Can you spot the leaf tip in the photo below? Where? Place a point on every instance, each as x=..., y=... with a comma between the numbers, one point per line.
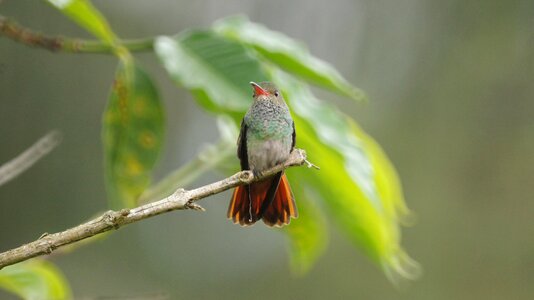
x=358, y=95
x=400, y=268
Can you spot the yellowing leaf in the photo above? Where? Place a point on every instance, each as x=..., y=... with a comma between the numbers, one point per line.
x=133, y=127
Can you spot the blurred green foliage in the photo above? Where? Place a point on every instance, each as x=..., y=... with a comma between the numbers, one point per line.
x=87, y=16
x=357, y=183
x=35, y=279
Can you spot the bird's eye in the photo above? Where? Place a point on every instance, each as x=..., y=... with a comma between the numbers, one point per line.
x=276, y=93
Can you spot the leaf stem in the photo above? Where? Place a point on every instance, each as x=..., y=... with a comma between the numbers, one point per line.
x=28, y=37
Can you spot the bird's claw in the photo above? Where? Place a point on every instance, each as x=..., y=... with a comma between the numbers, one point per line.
x=257, y=174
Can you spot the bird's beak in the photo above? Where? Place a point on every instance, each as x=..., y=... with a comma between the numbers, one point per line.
x=258, y=90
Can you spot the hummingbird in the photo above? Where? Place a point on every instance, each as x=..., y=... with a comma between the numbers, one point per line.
x=266, y=139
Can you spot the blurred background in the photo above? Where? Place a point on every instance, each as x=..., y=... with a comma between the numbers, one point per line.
x=451, y=95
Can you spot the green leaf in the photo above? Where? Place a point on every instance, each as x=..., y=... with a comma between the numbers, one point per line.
x=367, y=200
x=87, y=16
x=133, y=129
x=333, y=130
x=215, y=70
x=385, y=177
x=35, y=279
x=288, y=54
x=398, y=266
x=307, y=234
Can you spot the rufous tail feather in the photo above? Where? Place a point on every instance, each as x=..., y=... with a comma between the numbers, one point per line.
x=256, y=201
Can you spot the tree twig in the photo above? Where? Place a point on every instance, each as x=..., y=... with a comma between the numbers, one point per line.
x=30, y=156
x=18, y=33
x=181, y=199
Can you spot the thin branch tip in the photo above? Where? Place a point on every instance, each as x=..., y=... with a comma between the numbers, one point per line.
x=310, y=165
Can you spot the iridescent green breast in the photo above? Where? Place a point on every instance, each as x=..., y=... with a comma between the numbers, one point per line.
x=268, y=120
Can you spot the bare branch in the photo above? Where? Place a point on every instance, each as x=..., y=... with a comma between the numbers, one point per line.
x=181, y=199
x=26, y=159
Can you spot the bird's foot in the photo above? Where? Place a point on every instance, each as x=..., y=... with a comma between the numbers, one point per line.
x=257, y=173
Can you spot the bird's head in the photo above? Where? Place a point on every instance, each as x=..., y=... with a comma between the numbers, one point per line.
x=266, y=91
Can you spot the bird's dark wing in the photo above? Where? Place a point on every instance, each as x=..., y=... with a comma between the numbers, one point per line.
x=294, y=137
x=242, y=146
